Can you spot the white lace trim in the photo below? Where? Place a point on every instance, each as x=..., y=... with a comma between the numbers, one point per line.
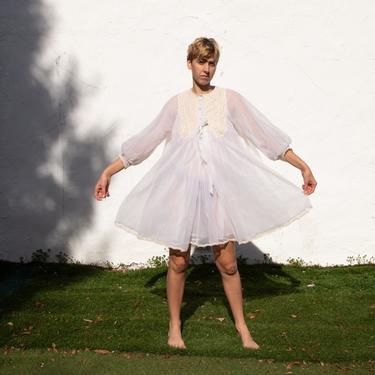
x=133, y=231
x=251, y=238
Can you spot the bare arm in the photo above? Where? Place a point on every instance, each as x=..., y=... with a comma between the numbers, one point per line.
x=295, y=160
x=101, y=188
x=139, y=146
x=308, y=178
x=114, y=167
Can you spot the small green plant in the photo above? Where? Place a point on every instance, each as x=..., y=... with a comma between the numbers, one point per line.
x=40, y=256
x=200, y=258
x=74, y=261
x=296, y=262
x=109, y=264
x=158, y=261
x=241, y=260
x=360, y=259
x=63, y=258
x=267, y=259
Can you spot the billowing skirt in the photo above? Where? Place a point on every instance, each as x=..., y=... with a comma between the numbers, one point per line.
x=232, y=195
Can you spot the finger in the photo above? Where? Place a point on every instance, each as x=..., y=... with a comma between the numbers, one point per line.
x=96, y=193
x=100, y=194
x=101, y=191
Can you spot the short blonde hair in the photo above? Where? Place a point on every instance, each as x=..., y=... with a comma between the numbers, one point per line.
x=203, y=48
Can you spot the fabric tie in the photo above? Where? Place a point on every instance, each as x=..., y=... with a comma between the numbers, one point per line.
x=203, y=138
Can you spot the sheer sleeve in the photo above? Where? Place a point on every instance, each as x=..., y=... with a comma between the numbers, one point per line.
x=141, y=145
x=253, y=126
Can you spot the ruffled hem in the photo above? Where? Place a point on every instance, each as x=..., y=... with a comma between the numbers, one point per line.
x=253, y=237
x=267, y=231
x=133, y=231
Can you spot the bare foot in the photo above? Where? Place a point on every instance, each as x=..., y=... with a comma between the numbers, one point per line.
x=247, y=341
x=174, y=337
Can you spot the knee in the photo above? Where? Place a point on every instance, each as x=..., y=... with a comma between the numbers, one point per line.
x=178, y=264
x=228, y=268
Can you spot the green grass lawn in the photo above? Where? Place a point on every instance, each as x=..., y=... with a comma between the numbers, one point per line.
x=70, y=316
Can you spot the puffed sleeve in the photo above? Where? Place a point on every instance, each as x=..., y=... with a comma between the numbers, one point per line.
x=141, y=145
x=253, y=126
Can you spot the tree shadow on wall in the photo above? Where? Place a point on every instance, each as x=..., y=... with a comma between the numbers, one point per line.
x=48, y=170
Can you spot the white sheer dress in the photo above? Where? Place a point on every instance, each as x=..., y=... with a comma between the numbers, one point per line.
x=210, y=185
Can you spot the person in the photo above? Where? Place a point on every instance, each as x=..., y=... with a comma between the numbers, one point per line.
x=210, y=186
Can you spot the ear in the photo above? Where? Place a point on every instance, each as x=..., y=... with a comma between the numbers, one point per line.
x=188, y=63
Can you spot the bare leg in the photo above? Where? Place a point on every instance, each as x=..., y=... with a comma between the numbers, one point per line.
x=226, y=262
x=178, y=262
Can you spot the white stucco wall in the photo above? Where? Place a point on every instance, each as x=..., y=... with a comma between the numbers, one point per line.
x=78, y=78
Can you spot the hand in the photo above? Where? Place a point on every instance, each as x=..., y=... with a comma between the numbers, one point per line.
x=309, y=181
x=101, y=188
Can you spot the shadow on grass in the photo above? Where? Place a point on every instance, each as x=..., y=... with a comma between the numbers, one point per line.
x=20, y=281
x=203, y=283
x=57, y=300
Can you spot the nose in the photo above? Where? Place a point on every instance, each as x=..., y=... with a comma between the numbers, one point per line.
x=205, y=67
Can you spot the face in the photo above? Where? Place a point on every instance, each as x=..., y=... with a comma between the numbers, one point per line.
x=203, y=70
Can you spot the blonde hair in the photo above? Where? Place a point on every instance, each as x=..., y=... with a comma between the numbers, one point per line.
x=203, y=48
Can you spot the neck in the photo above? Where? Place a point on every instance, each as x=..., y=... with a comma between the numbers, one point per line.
x=200, y=89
